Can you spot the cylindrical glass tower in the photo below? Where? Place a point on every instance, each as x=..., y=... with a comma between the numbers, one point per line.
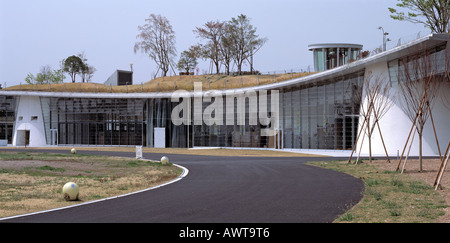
x=331, y=55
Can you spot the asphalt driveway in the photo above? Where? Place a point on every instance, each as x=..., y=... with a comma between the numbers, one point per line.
x=226, y=190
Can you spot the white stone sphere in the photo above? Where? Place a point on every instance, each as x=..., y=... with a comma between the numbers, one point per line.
x=164, y=160
x=70, y=191
x=73, y=151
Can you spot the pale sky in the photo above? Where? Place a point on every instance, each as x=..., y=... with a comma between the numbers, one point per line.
x=35, y=33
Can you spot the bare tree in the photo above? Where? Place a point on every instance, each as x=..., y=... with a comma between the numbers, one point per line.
x=375, y=101
x=255, y=45
x=418, y=89
x=446, y=98
x=212, y=32
x=446, y=102
x=225, y=45
x=157, y=39
x=378, y=102
x=86, y=71
x=245, y=41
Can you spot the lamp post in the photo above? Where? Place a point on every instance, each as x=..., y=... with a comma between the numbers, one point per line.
x=384, y=37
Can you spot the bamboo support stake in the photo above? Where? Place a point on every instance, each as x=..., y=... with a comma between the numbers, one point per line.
x=379, y=129
x=412, y=127
x=381, y=136
x=435, y=136
x=419, y=110
x=360, y=148
x=407, y=154
x=362, y=129
x=382, y=141
x=366, y=121
x=357, y=138
x=442, y=165
x=441, y=172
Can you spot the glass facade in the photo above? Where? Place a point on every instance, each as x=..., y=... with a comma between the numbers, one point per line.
x=319, y=115
x=322, y=116
x=91, y=121
x=159, y=116
x=7, y=117
x=328, y=56
x=435, y=63
x=241, y=126
x=315, y=116
x=331, y=60
x=318, y=57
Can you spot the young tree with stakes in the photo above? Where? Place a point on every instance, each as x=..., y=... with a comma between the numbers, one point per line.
x=446, y=102
x=418, y=90
x=376, y=101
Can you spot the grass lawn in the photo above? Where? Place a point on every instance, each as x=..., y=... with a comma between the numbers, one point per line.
x=31, y=182
x=389, y=196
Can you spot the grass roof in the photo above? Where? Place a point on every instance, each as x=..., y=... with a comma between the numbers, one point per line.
x=165, y=84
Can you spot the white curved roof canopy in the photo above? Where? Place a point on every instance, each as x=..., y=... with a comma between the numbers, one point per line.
x=334, y=45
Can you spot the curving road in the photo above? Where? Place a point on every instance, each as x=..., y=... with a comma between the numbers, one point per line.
x=226, y=190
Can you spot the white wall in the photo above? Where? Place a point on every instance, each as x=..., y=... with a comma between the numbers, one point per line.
x=29, y=106
x=160, y=137
x=395, y=124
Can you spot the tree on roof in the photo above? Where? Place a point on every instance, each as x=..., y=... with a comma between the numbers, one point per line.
x=157, y=40
x=87, y=71
x=244, y=41
x=212, y=31
x=434, y=14
x=73, y=65
x=188, y=59
x=46, y=76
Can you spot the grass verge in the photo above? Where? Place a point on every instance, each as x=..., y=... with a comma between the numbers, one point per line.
x=389, y=197
x=199, y=151
x=31, y=182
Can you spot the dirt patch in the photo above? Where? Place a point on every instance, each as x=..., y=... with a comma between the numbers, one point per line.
x=428, y=174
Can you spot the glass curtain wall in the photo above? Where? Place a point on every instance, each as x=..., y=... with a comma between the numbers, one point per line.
x=315, y=116
x=354, y=54
x=328, y=58
x=319, y=65
x=7, y=117
x=91, y=121
x=321, y=116
x=247, y=134
x=331, y=58
x=159, y=116
x=432, y=61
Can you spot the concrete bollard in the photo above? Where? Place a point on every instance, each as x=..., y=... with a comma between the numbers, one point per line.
x=164, y=160
x=70, y=191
